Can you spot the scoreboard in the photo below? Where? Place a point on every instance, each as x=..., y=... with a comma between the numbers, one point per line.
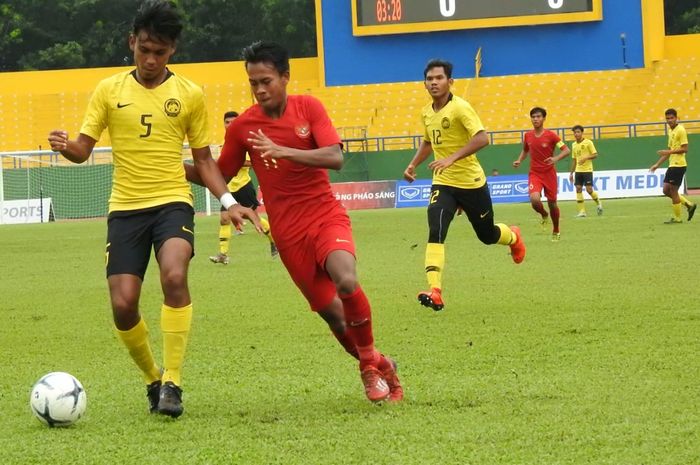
x=376, y=17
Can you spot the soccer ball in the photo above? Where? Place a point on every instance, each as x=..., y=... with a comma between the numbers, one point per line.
x=58, y=399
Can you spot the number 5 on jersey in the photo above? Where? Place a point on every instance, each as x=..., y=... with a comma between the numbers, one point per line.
x=146, y=124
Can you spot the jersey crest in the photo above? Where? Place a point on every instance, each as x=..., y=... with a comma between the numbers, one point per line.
x=303, y=131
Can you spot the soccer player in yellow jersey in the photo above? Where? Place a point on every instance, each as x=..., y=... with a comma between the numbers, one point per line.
x=454, y=133
x=583, y=153
x=676, y=152
x=243, y=190
x=149, y=111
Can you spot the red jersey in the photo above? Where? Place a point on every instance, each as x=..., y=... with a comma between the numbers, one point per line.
x=540, y=148
x=296, y=196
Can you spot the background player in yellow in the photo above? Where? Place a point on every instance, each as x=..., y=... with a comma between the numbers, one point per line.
x=677, y=165
x=243, y=190
x=148, y=112
x=454, y=133
x=583, y=153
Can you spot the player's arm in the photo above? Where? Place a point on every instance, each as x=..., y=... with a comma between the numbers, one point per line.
x=572, y=168
x=329, y=157
x=77, y=150
x=208, y=173
x=563, y=152
x=663, y=156
x=476, y=143
x=668, y=152
x=521, y=157
x=424, y=150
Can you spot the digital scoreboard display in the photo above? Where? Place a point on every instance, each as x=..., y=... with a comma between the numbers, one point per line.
x=375, y=17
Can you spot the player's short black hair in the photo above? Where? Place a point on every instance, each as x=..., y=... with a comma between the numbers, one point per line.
x=437, y=63
x=267, y=52
x=539, y=110
x=578, y=126
x=159, y=19
x=671, y=111
x=230, y=114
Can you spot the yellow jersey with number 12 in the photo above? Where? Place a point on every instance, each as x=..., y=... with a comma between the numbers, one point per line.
x=147, y=128
x=448, y=130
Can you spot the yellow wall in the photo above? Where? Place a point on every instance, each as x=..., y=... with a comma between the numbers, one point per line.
x=684, y=46
x=653, y=30
x=33, y=103
x=84, y=80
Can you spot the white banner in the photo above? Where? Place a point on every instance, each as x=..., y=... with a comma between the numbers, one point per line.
x=25, y=211
x=618, y=184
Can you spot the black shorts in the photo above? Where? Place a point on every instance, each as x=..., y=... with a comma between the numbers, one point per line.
x=132, y=233
x=583, y=179
x=674, y=175
x=246, y=196
x=476, y=203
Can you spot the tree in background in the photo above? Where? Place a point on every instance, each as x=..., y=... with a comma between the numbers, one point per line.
x=682, y=17
x=92, y=33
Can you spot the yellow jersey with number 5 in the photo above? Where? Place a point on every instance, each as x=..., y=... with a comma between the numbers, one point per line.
x=448, y=130
x=147, y=128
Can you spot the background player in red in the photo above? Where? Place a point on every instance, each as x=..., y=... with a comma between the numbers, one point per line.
x=291, y=143
x=540, y=144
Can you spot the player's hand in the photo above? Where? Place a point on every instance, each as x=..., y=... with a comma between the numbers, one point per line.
x=653, y=168
x=58, y=139
x=409, y=174
x=549, y=161
x=237, y=212
x=438, y=166
x=268, y=149
x=571, y=177
x=516, y=163
x=663, y=153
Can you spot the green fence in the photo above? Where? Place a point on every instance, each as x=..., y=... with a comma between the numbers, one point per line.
x=613, y=154
x=83, y=191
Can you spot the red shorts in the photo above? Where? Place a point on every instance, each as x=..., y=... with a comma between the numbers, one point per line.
x=305, y=261
x=546, y=181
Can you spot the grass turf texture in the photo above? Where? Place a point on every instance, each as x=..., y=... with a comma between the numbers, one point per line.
x=585, y=353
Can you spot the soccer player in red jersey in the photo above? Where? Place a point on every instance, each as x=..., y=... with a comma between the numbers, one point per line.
x=291, y=143
x=540, y=144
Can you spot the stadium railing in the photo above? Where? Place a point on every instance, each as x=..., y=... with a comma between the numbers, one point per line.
x=620, y=131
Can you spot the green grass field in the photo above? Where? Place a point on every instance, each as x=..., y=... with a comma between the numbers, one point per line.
x=587, y=353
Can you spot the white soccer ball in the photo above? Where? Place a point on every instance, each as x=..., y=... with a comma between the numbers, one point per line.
x=58, y=399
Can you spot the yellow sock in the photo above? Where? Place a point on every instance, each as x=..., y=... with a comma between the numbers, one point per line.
x=685, y=201
x=224, y=237
x=579, y=202
x=175, y=324
x=434, y=263
x=594, y=196
x=677, y=210
x=136, y=341
x=507, y=236
x=266, y=229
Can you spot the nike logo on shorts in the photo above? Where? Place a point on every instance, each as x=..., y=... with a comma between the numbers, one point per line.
x=483, y=215
x=187, y=230
x=342, y=240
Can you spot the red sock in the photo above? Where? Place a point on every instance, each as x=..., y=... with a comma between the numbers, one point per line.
x=358, y=317
x=554, y=211
x=347, y=343
x=539, y=208
x=384, y=364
